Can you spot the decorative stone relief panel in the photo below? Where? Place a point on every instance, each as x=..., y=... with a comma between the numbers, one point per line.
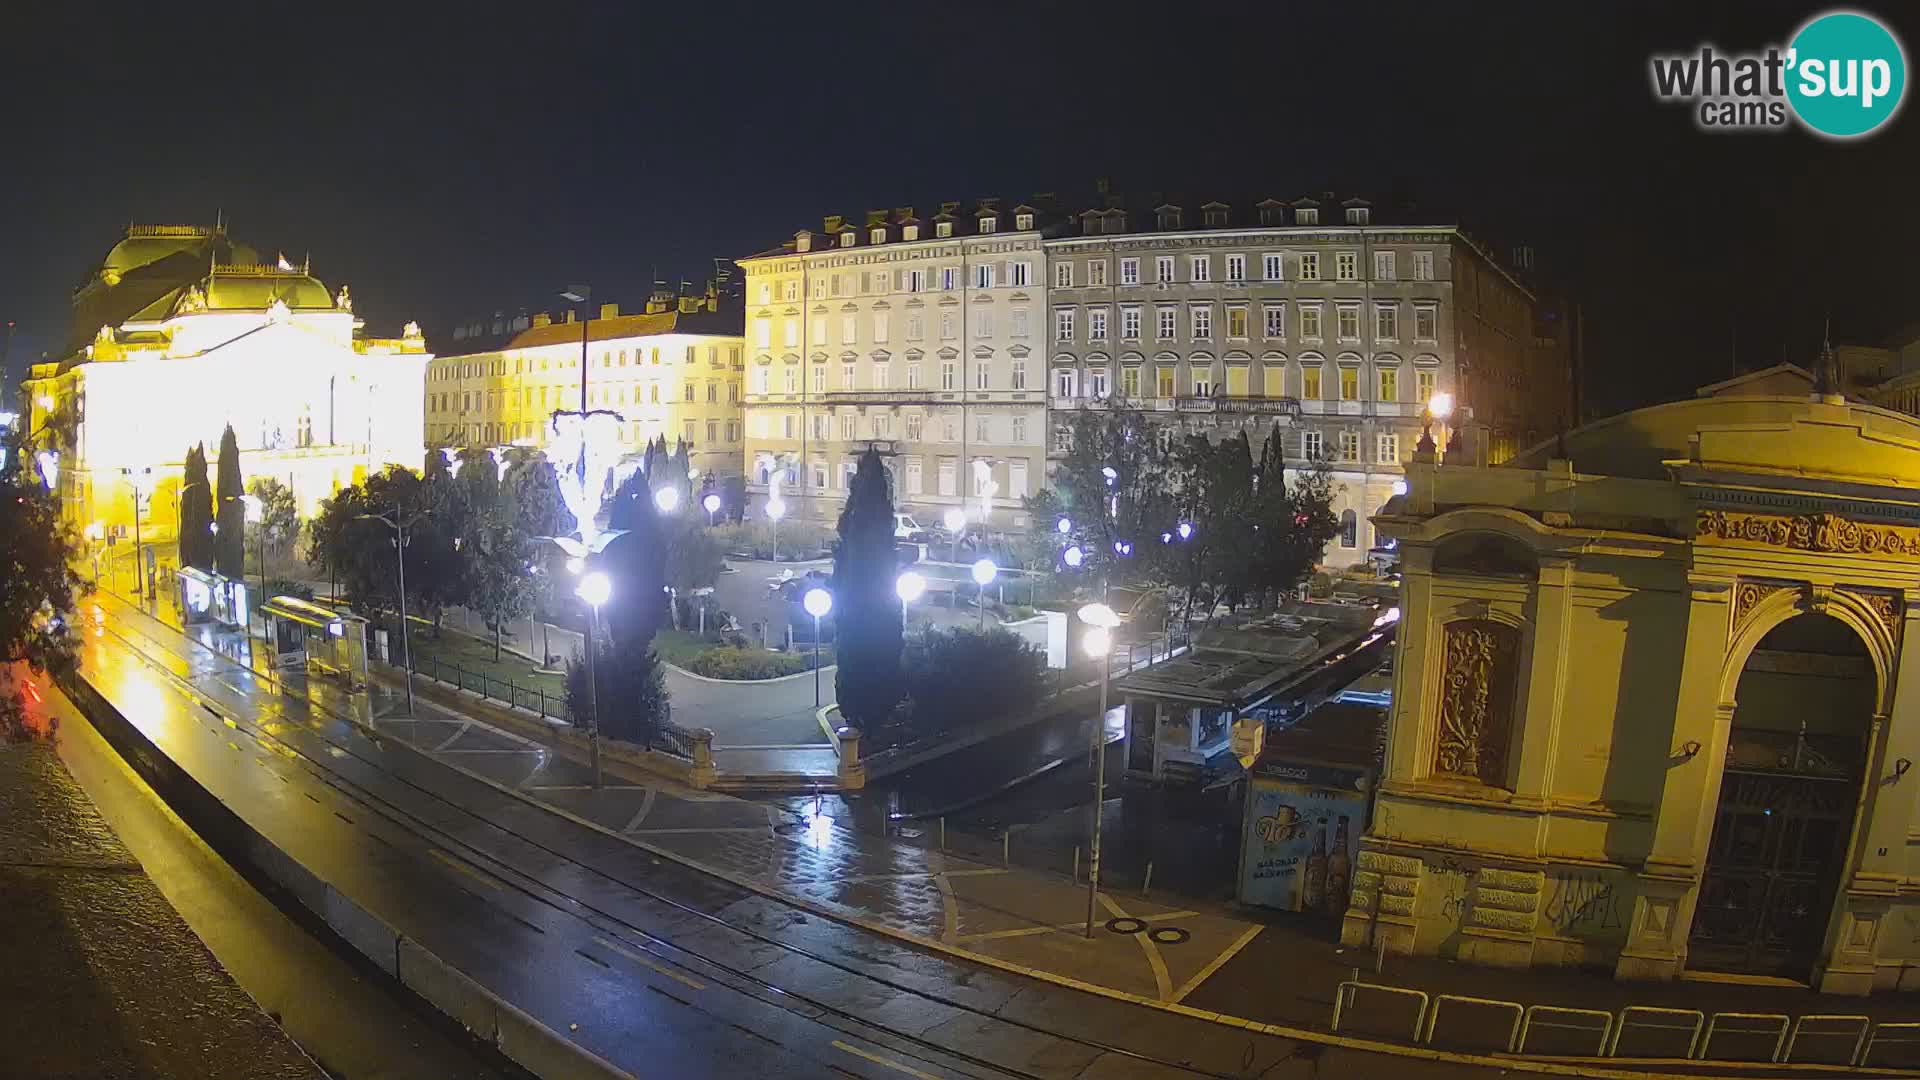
x=1748, y=596
x=1810, y=532
x=1885, y=605
x=1476, y=701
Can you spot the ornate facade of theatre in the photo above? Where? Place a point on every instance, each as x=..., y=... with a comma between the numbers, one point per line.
x=182, y=331
x=1652, y=708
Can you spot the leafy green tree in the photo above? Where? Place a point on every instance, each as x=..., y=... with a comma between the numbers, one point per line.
x=196, y=512
x=1294, y=517
x=630, y=691
x=1135, y=506
x=230, y=538
x=37, y=585
x=500, y=581
x=959, y=676
x=279, y=516
x=866, y=608
x=532, y=493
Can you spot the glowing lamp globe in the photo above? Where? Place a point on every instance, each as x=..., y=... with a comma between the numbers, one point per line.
x=1099, y=641
x=955, y=520
x=776, y=509
x=1186, y=530
x=711, y=504
x=909, y=586
x=984, y=572
x=1440, y=405
x=667, y=499
x=1074, y=557
x=1099, y=615
x=1065, y=526
x=817, y=602
x=595, y=588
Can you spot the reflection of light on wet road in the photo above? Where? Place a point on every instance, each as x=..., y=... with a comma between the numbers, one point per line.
x=819, y=827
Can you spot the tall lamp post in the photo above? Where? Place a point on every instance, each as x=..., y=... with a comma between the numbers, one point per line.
x=818, y=602
x=984, y=572
x=1099, y=642
x=393, y=520
x=94, y=532
x=257, y=513
x=595, y=588
x=776, y=509
x=134, y=477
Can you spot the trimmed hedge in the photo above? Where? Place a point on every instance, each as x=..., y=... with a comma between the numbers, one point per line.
x=727, y=662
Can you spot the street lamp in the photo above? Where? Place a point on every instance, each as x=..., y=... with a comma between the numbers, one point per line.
x=256, y=513
x=955, y=519
x=667, y=499
x=94, y=532
x=818, y=602
x=1185, y=530
x=776, y=509
x=908, y=587
x=134, y=477
x=1099, y=644
x=711, y=504
x=1074, y=557
x=399, y=526
x=984, y=571
x=594, y=588
x=1064, y=525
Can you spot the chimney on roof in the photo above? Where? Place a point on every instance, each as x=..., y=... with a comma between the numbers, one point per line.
x=569, y=318
x=949, y=207
x=541, y=318
x=1102, y=186
x=876, y=217
x=832, y=223
x=1045, y=200
x=903, y=213
x=609, y=311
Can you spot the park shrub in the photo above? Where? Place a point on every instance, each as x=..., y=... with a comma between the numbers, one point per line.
x=756, y=539
x=727, y=662
x=959, y=677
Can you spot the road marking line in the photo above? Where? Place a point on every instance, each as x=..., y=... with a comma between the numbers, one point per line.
x=646, y=961
x=454, y=864
x=1217, y=963
x=857, y=878
x=448, y=741
x=878, y=1060
x=1161, y=980
x=646, y=807
x=1081, y=925
x=484, y=751
x=758, y=830
x=949, y=908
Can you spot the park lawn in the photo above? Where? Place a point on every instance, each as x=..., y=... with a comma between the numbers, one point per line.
x=476, y=657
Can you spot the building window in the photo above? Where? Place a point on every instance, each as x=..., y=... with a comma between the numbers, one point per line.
x=1019, y=431
x=1199, y=269
x=1016, y=323
x=943, y=229
x=1311, y=446
x=1389, y=448
x=1310, y=382
x=760, y=376
x=1423, y=266
x=989, y=224
x=1019, y=273
x=1349, y=447
x=1309, y=266
x=1166, y=328
x=880, y=322
x=847, y=427
x=983, y=276
x=1163, y=382
x=1163, y=269
x=1202, y=319
x=1306, y=215
x=1423, y=387
x=949, y=278
x=914, y=424
x=1389, y=384
x=916, y=280
x=910, y=232
x=1130, y=324
x=1359, y=215
x=1129, y=271
x=1063, y=440
x=1065, y=382
x=762, y=333
x=1346, y=266
x=820, y=424
x=1097, y=383
x=1236, y=268
x=915, y=328
x=1383, y=266
x=688, y=393
x=1310, y=322
x=1130, y=381
x=1270, y=266
x=1063, y=324
x=1426, y=323
x=948, y=479
x=1349, y=529
x=1019, y=374
x=849, y=378
x=1203, y=382
x=949, y=378
x=913, y=374
x=1349, y=383
x=982, y=374
x=1063, y=275
x=882, y=374
x=982, y=433
x=1023, y=222
x=1386, y=322
x=1347, y=322
x=914, y=483
x=946, y=326
x=1097, y=324
x=1096, y=272
x=1237, y=322
x=882, y=426
x=1275, y=317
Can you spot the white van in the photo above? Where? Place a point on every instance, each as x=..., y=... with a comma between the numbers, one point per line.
x=905, y=527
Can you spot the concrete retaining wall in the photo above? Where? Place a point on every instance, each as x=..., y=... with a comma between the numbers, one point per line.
x=523, y=1038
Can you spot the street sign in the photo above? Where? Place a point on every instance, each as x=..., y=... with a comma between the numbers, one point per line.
x=1249, y=738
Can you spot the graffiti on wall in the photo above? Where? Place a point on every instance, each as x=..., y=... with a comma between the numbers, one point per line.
x=1583, y=903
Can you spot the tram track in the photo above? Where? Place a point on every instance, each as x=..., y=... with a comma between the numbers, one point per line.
x=628, y=934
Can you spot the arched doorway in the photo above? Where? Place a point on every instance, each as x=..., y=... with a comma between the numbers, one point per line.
x=1795, y=756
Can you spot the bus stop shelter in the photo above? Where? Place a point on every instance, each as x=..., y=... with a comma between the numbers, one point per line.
x=315, y=639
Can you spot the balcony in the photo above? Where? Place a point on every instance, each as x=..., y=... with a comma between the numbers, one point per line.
x=1254, y=404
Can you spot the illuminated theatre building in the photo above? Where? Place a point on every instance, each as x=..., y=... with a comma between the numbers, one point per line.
x=1653, y=709
x=182, y=331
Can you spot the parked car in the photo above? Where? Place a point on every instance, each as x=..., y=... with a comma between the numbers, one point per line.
x=906, y=528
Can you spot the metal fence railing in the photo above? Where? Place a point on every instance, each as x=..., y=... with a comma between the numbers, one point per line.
x=1633, y=1032
x=535, y=699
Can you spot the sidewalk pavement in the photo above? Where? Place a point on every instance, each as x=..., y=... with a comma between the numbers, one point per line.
x=103, y=977
x=1269, y=967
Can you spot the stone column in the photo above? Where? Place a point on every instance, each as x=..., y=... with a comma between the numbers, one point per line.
x=700, y=741
x=1538, y=715
x=1683, y=825
x=853, y=772
x=1418, y=635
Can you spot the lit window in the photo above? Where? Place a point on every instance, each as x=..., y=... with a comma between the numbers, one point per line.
x=1310, y=382
x=989, y=223
x=1359, y=215
x=1309, y=266
x=1237, y=322
x=1389, y=384
x=943, y=229
x=1023, y=222
x=1306, y=215
x=1349, y=384
x=1346, y=266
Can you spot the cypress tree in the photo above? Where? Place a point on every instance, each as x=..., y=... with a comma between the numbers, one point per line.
x=636, y=561
x=196, y=512
x=866, y=608
x=230, y=542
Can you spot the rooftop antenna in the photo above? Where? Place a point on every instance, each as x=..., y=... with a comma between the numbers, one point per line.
x=220, y=220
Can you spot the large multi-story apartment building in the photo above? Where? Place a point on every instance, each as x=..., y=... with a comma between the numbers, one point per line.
x=972, y=337
x=673, y=370
x=923, y=337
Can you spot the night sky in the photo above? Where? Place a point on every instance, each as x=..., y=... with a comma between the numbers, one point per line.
x=448, y=163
